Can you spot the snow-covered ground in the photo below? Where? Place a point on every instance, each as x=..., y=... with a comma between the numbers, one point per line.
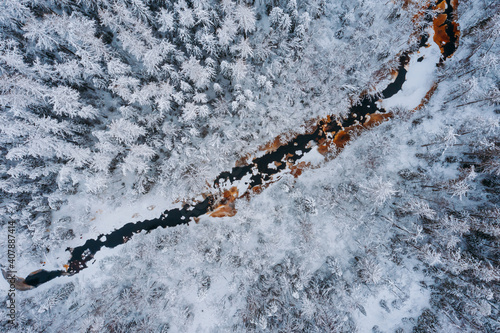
x=396, y=234
x=420, y=77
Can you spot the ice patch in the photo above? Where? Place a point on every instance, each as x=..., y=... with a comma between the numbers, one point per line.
x=419, y=79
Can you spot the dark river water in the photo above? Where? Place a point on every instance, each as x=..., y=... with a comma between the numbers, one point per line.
x=289, y=152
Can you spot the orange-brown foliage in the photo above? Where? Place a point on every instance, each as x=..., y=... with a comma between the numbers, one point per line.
x=325, y=147
x=341, y=138
x=441, y=6
x=257, y=189
x=427, y=97
x=440, y=35
x=224, y=210
x=296, y=170
x=243, y=160
x=273, y=145
x=226, y=206
x=231, y=194
x=376, y=118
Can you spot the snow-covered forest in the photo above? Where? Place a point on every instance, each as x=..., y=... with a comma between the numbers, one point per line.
x=114, y=111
